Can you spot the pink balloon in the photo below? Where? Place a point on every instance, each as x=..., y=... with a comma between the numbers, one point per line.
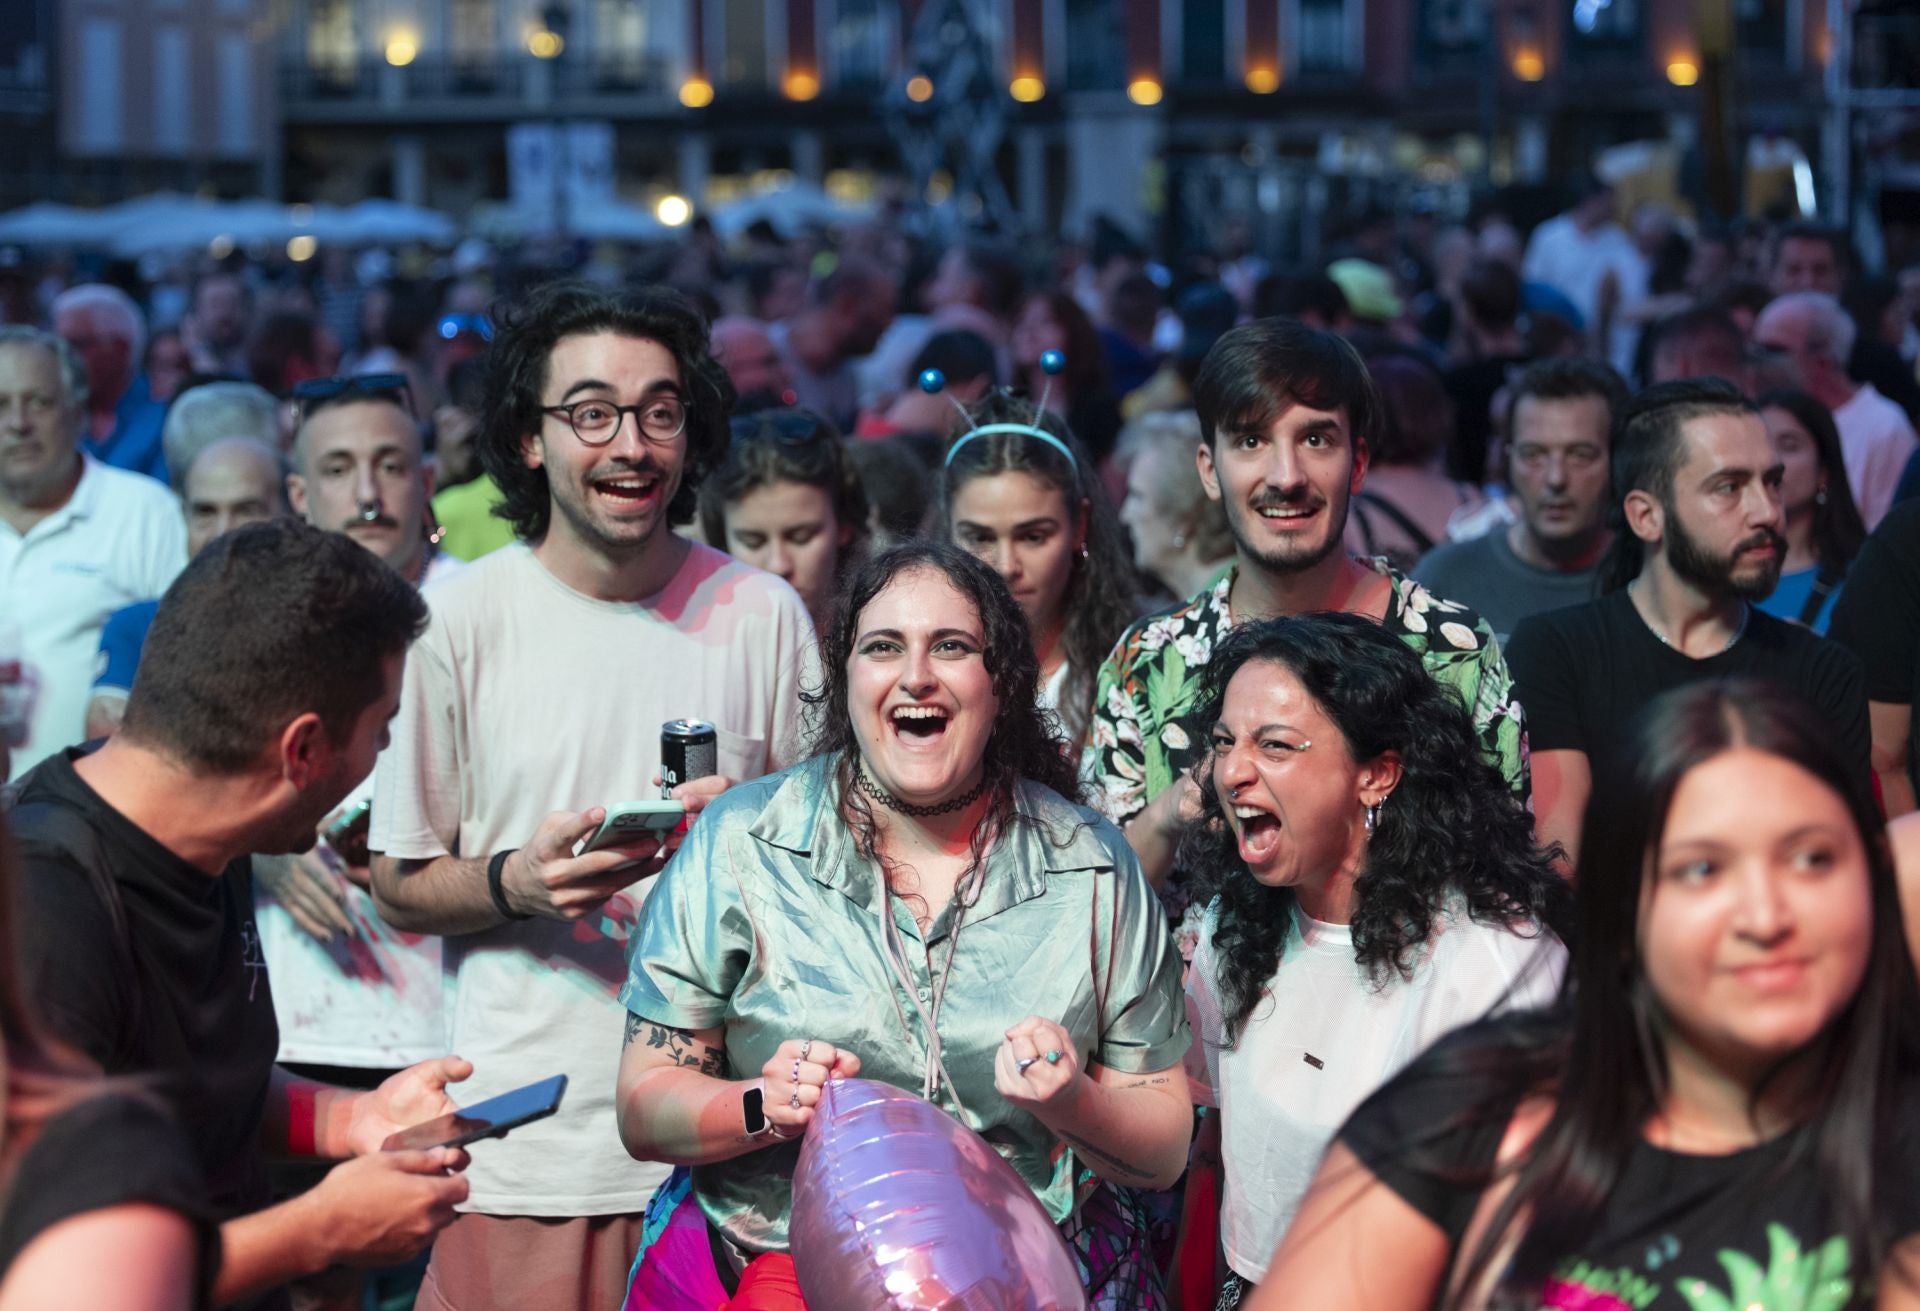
x=897, y=1206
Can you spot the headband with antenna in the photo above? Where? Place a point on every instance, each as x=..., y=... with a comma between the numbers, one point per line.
x=1052, y=363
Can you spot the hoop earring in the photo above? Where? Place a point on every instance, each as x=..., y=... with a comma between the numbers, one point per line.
x=1372, y=817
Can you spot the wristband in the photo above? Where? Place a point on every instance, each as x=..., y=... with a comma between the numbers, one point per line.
x=496, y=891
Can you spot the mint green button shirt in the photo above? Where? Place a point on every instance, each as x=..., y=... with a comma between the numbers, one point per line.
x=766, y=923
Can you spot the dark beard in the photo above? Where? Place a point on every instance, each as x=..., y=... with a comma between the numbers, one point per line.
x=1717, y=575
x=1289, y=562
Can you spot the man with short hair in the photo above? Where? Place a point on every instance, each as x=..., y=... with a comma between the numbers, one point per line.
x=1806, y=257
x=231, y=483
x=846, y=313
x=533, y=705
x=758, y=371
x=270, y=675
x=1810, y=329
x=215, y=411
x=1701, y=342
x=1559, y=417
x=106, y=330
x=78, y=540
x=215, y=328
x=1696, y=485
x=359, y=468
x=1287, y=415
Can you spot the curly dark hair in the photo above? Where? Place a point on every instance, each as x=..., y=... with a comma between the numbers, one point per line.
x=1452, y=825
x=1100, y=600
x=516, y=368
x=1023, y=742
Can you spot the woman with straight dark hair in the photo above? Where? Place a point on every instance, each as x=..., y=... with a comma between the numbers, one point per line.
x=789, y=500
x=102, y=1205
x=1719, y=1112
x=1824, y=528
x=1374, y=885
x=1019, y=491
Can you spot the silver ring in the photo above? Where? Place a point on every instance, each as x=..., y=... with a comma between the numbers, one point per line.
x=793, y=1102
x=806, y=1049
x=1021, y=1066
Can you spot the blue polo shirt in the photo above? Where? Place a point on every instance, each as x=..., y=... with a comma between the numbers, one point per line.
x=134, y=442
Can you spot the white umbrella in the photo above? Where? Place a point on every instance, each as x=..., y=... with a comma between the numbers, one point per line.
x=791, y=209
x=47, y=224
x=380, y=223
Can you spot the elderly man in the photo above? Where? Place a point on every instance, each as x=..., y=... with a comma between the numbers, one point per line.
x=212, y=412
x=761, y=378
x=78, y=540
x=106, y=331
x=1810, y=329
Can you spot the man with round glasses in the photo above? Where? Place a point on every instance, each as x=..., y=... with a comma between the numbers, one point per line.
x=532, y=705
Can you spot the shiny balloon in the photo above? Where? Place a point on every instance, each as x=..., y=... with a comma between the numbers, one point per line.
x=897, y=1206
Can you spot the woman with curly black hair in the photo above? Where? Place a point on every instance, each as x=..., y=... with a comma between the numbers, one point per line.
x=920, y=903
x=1374, y=885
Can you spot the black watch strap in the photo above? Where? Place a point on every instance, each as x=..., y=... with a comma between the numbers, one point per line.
x=496, y=891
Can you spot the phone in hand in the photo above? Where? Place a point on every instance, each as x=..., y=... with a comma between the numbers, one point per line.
x=488, y=1119
x=634, y=819
x=347, y=835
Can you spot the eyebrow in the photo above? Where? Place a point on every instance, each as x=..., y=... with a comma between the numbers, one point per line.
x=1318, y=426
x=895, y=635
x=1047, y=521
x=595, y=384
x=1221, y=726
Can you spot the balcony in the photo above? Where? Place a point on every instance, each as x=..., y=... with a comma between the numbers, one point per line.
x=509, y=84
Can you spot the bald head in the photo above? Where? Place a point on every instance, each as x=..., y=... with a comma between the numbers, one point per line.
x=751, y=359
x=232, y=482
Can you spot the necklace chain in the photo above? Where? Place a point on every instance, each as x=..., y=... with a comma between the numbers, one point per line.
x=1739, y=632
x=894, y=803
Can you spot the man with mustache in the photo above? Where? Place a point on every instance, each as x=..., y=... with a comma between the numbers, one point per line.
x=1286, y=417
x=1699, y=524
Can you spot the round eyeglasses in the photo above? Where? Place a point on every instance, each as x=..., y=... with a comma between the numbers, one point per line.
x=660, y=420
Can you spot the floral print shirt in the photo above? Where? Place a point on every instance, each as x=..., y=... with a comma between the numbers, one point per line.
x=1143, y=735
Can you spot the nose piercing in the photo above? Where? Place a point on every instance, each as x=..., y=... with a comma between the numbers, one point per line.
x=369, y=512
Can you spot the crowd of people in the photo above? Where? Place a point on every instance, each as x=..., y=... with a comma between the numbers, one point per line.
x=1418, y=750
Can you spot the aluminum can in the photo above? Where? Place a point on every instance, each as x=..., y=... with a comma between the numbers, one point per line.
x=689, y=749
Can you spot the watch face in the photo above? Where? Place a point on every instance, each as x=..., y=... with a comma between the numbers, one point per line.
x=750, y=1108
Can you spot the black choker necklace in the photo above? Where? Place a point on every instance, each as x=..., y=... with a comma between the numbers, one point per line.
x=894, y=803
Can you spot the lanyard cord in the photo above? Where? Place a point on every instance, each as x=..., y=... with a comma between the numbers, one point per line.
x=895, y=951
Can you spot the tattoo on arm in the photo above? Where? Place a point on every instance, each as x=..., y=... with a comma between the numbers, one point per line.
x=681, y=1047
x=1131, y=1171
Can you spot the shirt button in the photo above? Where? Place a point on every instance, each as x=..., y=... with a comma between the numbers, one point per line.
x=926, y=994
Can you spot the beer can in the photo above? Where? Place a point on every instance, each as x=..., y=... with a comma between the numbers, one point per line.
x=689, y=749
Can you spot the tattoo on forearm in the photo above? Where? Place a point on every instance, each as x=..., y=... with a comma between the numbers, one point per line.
x=681, y=1047
x=1125, y=1168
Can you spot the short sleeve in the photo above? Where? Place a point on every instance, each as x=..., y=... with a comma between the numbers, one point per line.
x=1840, y=696
x=695, y=936
x=1143, y=1007
x=109, y=1150
x=1545, y=683
x=1877, y=616
x=796, y=670
x=1479, y=969
x=1203, y=1016
x=416, y=806
x=121, y=641
x=1114, y=761
x=1431, y=1134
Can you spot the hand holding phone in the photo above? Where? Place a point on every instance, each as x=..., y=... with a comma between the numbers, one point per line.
x=488, y=1119
x=635, y=819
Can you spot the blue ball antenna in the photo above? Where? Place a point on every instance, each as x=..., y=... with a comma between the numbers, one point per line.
x=1052, y=363
x=932, y=381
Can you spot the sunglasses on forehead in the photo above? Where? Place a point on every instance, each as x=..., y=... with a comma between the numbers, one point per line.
x=784, y=427
x=319, y=393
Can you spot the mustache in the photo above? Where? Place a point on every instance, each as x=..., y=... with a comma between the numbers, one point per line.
x=1289, y=499
x=1764, y=537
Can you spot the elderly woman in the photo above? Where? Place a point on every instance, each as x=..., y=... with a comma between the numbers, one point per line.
x=920, y=904
x=1376, y=885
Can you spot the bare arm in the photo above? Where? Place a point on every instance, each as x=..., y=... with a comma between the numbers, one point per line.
x=1154, y=833
x=1892, y=725
x=1900, y=1280
x=1562, y=781
x=675, y=1103
x=1332, y=1252
x=1131, y=1129
x=136, y=1257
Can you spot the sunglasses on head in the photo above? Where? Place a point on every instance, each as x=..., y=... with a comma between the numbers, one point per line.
x=786, y=427
x=319, y=393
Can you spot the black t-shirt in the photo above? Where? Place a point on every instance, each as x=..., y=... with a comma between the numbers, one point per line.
x=1877, y=614
x=1582, y=673
x=179, y=995
x=1677, y=1233
x=109, y=1150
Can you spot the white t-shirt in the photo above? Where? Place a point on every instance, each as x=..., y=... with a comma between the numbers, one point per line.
x=1323, y=1038
x=369, y=999
x=1574, y=263
x=119, y=539
x=525, y=697
x=1875, y=441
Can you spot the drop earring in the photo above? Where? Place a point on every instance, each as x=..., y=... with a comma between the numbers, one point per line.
x=1372, y=817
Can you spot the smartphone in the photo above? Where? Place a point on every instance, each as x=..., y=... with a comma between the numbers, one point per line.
x=488, y=1119
x=634, y=819
x=347, y=835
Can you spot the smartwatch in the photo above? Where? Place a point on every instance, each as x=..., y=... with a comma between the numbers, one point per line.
x=753, y=1112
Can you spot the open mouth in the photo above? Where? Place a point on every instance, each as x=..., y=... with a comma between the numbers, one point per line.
x=919, y=723
x=628, y=488
x=1259, y=834
x=1284, y=514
